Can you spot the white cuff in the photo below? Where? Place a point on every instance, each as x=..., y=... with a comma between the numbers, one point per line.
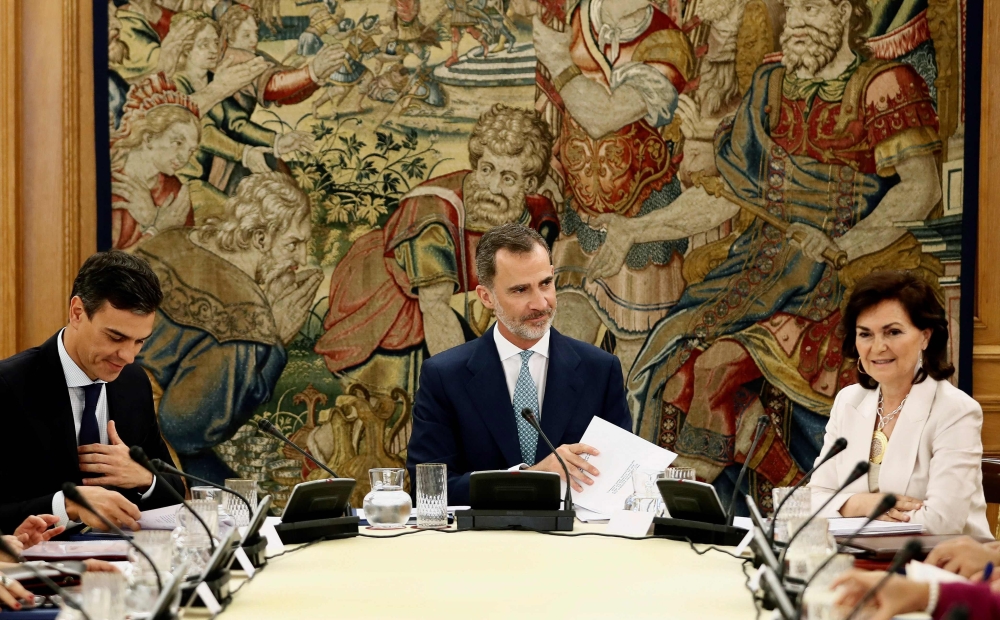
x=274, y=148
x=518, y=467
x=246, y=151
x=933, y=593
x=59, y=508
x=312, y=74
x=149, y=491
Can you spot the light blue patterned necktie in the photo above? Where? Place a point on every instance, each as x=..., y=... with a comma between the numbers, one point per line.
x=526, y=397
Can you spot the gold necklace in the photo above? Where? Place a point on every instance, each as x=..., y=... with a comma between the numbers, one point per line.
x=879, y=439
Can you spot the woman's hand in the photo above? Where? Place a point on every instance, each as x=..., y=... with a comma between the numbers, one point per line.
x=964, y=556
x=897, y=596
x=11, y=592
x=36, y=529
x=862, y=505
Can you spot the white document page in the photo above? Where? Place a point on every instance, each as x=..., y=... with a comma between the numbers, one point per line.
x=621, y=453
x=159, y=518
x=846, y=526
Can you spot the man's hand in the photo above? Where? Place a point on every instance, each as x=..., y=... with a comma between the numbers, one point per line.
x=964, y=556
x=898, y=596
x=811, y=240
x=292, y=309
x=174, y=212
x=114, y=462
x=551, y=47
x=619, y=240
x=36, y=529
x=327, y=59
x=229, y=78
x=111, y=504
x=293, y=141
x=253, y=158
x=862, y=505
x=577, y=466
x=138, y=201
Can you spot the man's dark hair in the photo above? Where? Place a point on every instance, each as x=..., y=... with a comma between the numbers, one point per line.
x=514, y=238
x=921, y=304
x=123, y=280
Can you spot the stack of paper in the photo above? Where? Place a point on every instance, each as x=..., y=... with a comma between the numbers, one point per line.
x=82, y=550
x=927, y=573
x=848, y=526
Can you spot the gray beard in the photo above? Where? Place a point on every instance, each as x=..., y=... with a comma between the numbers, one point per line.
x=718, y=88
x=713, y=10
x=820, y=51
x=484, y=207
x=519, y=328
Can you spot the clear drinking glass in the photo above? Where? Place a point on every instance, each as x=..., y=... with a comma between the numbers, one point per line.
x=799, y=506
x=680, y=473
x=645, y=495
x=142, y=591
x=432, y=495
x=814, y=540
x=388, y=505
x=819, y=600
x=191, y=543
x=214, y=494
x=103, y=595
x=234, y=506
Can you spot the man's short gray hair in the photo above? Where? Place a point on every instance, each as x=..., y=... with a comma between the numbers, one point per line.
x=268, y=202
x=514, y=238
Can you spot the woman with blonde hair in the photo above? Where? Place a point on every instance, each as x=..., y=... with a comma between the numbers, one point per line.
x=159, y=132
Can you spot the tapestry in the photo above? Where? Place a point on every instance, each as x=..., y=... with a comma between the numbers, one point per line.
x=310, y=179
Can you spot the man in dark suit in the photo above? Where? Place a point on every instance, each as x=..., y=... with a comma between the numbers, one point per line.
x=72, y=407
x=467, y=408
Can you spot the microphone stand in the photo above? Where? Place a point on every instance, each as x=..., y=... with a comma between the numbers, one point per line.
x=65, y=596
x=762, y=422
x=529, y=416
x=888, y=501
x=73, y=493
x=903, y=556
x=838, y=446
x=859, y=470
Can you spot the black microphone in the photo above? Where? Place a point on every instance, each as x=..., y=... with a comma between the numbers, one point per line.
x=859, y=470
x=762, y=423
x=271, y=429
x=71, y=492
x=170, y=469
x=838, y=446
x=139, y=456
x=887, y=503
x=5, y=548
x=904, y=555
x=528, y=415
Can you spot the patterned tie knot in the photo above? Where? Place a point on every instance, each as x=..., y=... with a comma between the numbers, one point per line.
x=525, y=356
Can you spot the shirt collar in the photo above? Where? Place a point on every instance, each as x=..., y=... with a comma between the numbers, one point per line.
x=74, y=376
x=507, y=349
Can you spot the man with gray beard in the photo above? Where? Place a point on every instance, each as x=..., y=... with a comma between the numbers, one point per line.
x=235, y=294
x=467, y=412
x=839, y=147
x=424, y=254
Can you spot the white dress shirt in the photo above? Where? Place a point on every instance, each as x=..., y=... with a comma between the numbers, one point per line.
x=76, y=379
x=538, y=368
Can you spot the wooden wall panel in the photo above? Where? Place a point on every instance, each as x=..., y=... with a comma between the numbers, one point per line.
x=986, y=350
x=10, y=123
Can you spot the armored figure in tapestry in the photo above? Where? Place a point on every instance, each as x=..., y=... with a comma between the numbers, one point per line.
x=839, y=148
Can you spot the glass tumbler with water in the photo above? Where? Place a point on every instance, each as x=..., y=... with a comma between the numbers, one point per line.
x=143, y=589
x=191, y=542
x=812, y=541
x=797, y=507
x=645, y=495
x=432, y=495
x=388, y=505
x=234, y=505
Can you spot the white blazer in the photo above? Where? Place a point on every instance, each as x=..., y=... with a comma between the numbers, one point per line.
x=934, y=455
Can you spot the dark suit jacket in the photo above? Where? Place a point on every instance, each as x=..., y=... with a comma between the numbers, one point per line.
x=38, y=450
x=462, y=414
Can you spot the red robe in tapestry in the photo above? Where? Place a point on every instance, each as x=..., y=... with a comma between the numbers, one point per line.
x=373, y=305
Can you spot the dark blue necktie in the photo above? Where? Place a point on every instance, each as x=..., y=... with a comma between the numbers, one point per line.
x=89, y=432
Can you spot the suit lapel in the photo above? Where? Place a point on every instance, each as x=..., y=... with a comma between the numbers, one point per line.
x=56, y=413
x=563, y=386
x=488, y=391
x=858, y=432
x=901, y=454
